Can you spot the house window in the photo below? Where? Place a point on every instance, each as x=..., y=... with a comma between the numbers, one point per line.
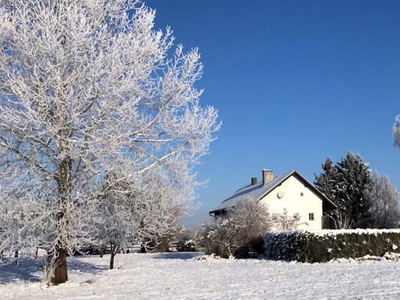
x=302, y=194
x=311, y=216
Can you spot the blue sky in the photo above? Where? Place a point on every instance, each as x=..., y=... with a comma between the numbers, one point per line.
x=295, y=82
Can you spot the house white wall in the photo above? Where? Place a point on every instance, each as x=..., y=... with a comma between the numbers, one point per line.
x=296, y=198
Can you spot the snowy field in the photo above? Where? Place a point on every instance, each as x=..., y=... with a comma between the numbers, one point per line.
x=183, y=276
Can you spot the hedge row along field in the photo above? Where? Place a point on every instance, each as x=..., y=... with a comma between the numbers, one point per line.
x=325, y=245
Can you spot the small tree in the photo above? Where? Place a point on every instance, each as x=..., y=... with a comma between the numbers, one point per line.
x=385, y=203
x=143, y=210
x=284, y=221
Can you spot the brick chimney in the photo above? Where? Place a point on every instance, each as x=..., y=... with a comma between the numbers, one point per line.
x=267, y=176
x=253, y=180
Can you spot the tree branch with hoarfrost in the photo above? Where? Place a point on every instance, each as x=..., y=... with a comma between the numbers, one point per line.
x=89, y=89
x=396, y=131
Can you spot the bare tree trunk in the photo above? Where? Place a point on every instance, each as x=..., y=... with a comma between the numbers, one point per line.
x=60, y=272
x=114, y=251
x=57, y=268
x=102, y=251
x=16, y=258
x=58, y=260
x=112, y=260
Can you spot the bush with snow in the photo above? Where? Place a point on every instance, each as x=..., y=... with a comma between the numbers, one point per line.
x=242, y=228
x=224, y=235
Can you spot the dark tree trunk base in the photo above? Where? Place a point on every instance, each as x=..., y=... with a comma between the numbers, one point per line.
x=60, y=272
x=102, y=251
x=112, y=261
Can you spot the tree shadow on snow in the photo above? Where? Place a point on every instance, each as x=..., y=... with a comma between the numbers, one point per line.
x=29, y=270
x=178, y=255
x=32, y=270
x=85, y=267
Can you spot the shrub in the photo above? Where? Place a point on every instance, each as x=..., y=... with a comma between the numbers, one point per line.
x=186, y=240
x=186, y=246
x=242, y=228
x=224, y=235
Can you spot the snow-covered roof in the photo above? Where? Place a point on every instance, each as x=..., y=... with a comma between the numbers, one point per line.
x=258, y=191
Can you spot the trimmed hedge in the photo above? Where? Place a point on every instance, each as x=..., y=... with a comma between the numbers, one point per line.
x=324, y=245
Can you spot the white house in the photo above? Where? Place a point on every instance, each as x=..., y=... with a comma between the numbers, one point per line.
x=290, y=191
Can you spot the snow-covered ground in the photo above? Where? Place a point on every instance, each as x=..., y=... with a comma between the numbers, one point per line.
x=182, y=276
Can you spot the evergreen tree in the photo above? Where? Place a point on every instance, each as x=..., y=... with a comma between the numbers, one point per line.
x=354, y=187
x=348, y=185
x=326, y=181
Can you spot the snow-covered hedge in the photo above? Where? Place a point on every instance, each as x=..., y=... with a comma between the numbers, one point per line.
x=324, y=245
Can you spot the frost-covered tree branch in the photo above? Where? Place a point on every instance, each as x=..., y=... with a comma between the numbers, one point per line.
x=396, y=131
x=88, y=89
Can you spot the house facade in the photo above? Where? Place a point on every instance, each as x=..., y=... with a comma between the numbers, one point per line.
x=290, y=192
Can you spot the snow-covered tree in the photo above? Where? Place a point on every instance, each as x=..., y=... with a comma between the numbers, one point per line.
x=88, y=88
x=385, y=203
